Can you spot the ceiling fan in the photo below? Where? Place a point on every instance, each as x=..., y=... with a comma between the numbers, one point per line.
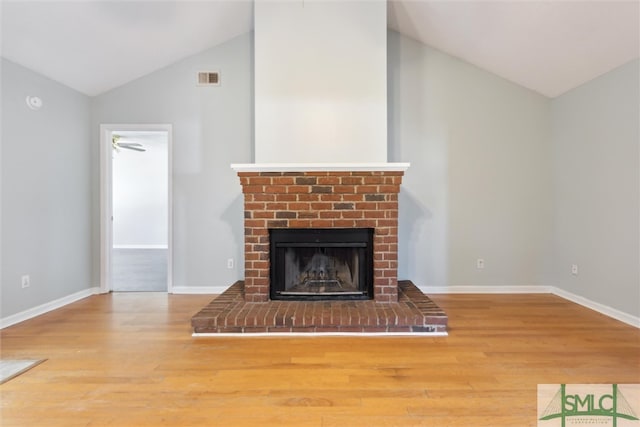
x=117, y=144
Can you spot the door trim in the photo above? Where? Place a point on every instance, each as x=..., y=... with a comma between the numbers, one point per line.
x=106, y=198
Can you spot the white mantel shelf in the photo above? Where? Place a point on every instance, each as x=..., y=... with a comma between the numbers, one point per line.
x=320, y=167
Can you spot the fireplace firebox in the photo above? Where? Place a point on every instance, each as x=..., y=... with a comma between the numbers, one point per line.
x=321, y=264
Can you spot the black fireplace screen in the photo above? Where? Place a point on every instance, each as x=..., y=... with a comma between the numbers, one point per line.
x=321, y=263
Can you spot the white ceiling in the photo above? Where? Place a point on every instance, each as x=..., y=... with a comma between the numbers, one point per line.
x=548, y=46
x=94, y=46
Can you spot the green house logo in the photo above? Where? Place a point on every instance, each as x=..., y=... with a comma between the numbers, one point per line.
x=589, y=404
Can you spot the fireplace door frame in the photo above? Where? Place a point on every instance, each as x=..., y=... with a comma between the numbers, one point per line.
x=357, y=238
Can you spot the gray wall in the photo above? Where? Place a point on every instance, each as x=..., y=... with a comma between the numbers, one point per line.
x=46, y=175
x=479, y=185
x=596, y=140
x=212, y=128
x=498, y=172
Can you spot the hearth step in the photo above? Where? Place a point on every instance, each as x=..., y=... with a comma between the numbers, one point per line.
x=414, y=313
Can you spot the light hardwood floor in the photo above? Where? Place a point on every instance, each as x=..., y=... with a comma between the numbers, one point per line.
x=129, y=360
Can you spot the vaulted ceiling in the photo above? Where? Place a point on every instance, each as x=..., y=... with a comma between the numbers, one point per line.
x=548, y=46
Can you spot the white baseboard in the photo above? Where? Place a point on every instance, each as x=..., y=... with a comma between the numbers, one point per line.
x=199, y=289
x=585, y=302
x=47, y=307
x=485, y=289
x=600, y=308
x=216, y=290
x=319, y=334
x=140, y=246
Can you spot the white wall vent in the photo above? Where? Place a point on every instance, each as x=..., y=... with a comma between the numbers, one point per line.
x=208, y=78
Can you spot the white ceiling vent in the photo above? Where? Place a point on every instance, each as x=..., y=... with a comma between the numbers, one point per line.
x=208, y=78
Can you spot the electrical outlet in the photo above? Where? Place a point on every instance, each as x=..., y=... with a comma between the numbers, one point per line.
x=230, y=263
x=26, y=281
x=574, y=269
x=480, y=264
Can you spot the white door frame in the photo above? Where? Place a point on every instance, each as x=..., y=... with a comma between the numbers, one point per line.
x=106, y=198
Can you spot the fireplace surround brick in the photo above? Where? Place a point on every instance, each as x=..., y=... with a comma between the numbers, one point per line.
x=321, y=200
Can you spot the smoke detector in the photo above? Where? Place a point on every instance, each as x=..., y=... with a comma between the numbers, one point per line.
x=34, y=102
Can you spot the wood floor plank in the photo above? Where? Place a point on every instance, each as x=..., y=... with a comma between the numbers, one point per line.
x=130, y=360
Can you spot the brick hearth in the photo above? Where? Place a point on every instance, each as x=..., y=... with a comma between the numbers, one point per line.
x=366, y=199
x=230, y=313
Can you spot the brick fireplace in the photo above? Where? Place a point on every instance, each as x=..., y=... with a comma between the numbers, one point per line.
x=317, y=200
x=328, y=124
x=286, y=197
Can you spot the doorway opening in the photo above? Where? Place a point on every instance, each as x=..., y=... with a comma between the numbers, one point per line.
x=136, y=253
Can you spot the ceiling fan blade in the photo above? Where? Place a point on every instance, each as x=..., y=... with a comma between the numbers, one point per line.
x=129, y=144
x=128, y=147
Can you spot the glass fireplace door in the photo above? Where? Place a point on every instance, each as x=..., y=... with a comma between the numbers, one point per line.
x=321, y=263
